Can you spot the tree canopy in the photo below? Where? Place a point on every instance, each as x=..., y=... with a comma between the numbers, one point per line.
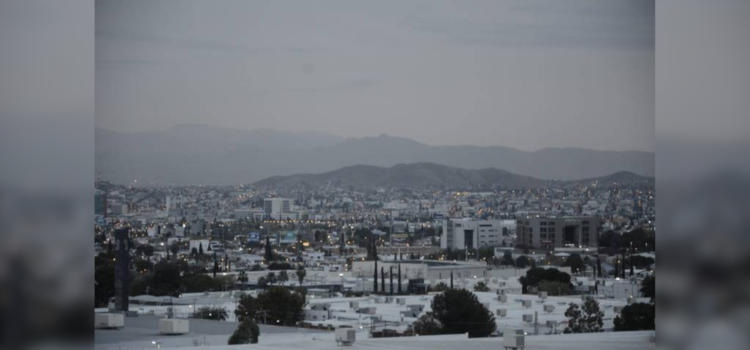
x=538, y=274
x=459, y=311
x=636, y=317
x=585, y=319
x=246, y=333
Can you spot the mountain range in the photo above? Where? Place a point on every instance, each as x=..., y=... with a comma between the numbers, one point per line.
x=201, y=154
x=430, y=175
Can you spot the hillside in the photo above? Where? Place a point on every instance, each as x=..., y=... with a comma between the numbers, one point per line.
x=421, y=175
x=200, y=154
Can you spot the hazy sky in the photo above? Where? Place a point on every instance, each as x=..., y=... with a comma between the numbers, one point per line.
x=526, y=74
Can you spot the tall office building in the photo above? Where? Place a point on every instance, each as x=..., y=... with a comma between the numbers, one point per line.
x=550, y=233
x=122, y=269
x=100, y=203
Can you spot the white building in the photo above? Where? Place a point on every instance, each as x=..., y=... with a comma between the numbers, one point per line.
x=279, y=208
x=467, y=233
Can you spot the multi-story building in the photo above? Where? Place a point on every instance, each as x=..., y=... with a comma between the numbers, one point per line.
x=467, y=233
x=279, y=208
x=100, y=203
x=549, y=233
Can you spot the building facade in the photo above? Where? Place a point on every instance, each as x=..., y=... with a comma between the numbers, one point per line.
x=473, y=234
x=279, y=208
x=550, y=233
x=100, y=203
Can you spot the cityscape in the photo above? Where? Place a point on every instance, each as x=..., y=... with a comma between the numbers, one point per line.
x=391, y=175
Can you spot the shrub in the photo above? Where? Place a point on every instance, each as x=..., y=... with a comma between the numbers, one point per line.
x=636, y=317
x=481, y=287
x=246, y=333
x=210, y=313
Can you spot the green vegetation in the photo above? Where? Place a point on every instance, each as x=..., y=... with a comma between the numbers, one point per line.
x=481, y=287
x=536, y=275
x=277, y=306
x=586, y=319
x=246, y=333
x=458, y=311
x=210, y=313
x=554, y=288
x=636, y=317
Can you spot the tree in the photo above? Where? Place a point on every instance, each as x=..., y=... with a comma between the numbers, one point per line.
x=522, y=261
x=507, y=259
x=281, y=307
x=441, y=286
x=246, y=333
x=262, y=281
x=269, y=252
x=283, y=277
x=586, y=319
x=459, y=311
x=301, y=273
x=636, y=317
x=481, y=287
x=200, y=248
x=399, y=279
x=536, y=275
x=427, y=324
x=199, y=283
x=554, y=288
x=174, y=248
x=210, y=313
x=575, y=262
x=146, y=250
x=167, y=279
x=104, y=275
x=648, y=287
x=247, y=308
x=242, y=277
x=279, y=266
x=216, y=265
x=271, y=278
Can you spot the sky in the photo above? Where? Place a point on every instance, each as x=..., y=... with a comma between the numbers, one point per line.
x=525, y=74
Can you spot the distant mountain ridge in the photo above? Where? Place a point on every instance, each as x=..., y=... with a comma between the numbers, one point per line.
x=430, y=175
x=200, y=154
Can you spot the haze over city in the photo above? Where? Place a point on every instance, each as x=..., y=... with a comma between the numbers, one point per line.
x=309, y=174
x=521, y=74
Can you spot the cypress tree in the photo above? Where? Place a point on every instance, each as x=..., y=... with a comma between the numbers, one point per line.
x=216, y=265
x=375, y=278
x=382, y=280
x=390, y=276
x=399, y=278
x=451, y=279
x=269, y=252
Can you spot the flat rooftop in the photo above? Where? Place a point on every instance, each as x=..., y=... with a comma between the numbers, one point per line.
x=590, y=341
x=139, y=333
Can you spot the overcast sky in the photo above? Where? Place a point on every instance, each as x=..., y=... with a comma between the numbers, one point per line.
x=525, y=74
